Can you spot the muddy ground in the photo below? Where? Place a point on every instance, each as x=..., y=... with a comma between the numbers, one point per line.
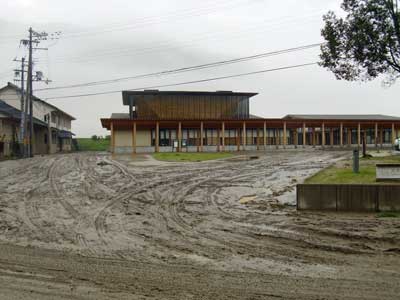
x=89, y=226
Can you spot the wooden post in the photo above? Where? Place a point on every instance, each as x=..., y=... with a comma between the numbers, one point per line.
x=265, y=135
x=218, y=141
x=112, y=138
x=393, y=134
x=179, y=137
x=359, y=135
x=313, y=136
x=223, y=136
x=201, y=137
x=284, y=135
x=134, y=138
x=157, y=135
x=244, y=136
x=341, y=134
x=258, y=136
x=376, y=135
x=238, y=138
x=323, y=135
x=304, y=135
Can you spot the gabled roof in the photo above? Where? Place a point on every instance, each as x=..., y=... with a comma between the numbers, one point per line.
x=14, y=113
x=18, y=89
x=343, y=117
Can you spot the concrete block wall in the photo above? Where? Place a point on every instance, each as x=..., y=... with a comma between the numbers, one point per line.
x=348, y=197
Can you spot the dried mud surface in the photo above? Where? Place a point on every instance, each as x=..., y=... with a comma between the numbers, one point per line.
x=89, y=226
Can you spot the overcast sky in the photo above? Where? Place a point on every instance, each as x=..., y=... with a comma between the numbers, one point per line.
x=103, y=40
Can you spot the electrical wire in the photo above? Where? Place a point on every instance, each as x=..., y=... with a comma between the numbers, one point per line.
x=186, y=69
x=185, y=83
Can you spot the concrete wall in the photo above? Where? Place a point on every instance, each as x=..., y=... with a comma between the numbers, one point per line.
x=348, y=197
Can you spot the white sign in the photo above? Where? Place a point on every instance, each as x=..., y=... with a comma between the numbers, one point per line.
x=388, y=172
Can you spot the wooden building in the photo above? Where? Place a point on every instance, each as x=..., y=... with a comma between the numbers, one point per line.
x=168, y=121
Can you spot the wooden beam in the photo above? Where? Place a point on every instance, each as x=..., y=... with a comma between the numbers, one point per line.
x=358, y=134
x=134, y=138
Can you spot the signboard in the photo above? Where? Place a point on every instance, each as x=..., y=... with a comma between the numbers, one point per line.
x=389, y=172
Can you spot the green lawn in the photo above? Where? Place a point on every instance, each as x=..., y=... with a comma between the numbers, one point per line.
x=190, y=157
x=87, y=144
x=342, y=172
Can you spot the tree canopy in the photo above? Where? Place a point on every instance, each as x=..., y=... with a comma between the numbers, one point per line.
x=365, y=43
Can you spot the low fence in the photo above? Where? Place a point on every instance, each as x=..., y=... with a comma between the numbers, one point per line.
x=348, y=197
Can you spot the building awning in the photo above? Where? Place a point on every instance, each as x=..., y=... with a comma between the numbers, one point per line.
x=63, y=134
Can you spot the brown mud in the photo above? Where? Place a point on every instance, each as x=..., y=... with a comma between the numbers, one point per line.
x=89, y=226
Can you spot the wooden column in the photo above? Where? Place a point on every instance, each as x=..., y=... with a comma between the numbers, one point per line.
x=223, y=136
x=179, y=137
x=134, y=138
x=365, y=136
x=244, y=136
x=265, y=135
x=304, y=135
x=201, y=137
x=349, y=137
x=323, y=135
x=157, y=136
x=341, y=134
x=218, y=140
x=284, y=135
x=258, y=136
x=313, y=136
x=393, y=134
x=238, y=138
x=376, y=135
x=112, y=138
x=359, y=135
x=331, y=137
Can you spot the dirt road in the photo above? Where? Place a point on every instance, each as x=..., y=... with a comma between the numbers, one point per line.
x=87, y=226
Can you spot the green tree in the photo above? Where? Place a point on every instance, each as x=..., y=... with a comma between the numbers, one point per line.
x=95, y=137
x=365, y=43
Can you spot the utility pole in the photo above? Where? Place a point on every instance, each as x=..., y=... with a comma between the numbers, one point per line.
x=22, y=123
x=34, y=38
x=30, y=66
x=22, y=131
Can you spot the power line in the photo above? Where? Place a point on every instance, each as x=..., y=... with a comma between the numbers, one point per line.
x=186, y=83
x=175, y=16
x=118, y=52
x=187, y=69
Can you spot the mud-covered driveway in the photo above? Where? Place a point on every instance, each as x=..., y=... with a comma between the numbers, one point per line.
x=89, y=226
